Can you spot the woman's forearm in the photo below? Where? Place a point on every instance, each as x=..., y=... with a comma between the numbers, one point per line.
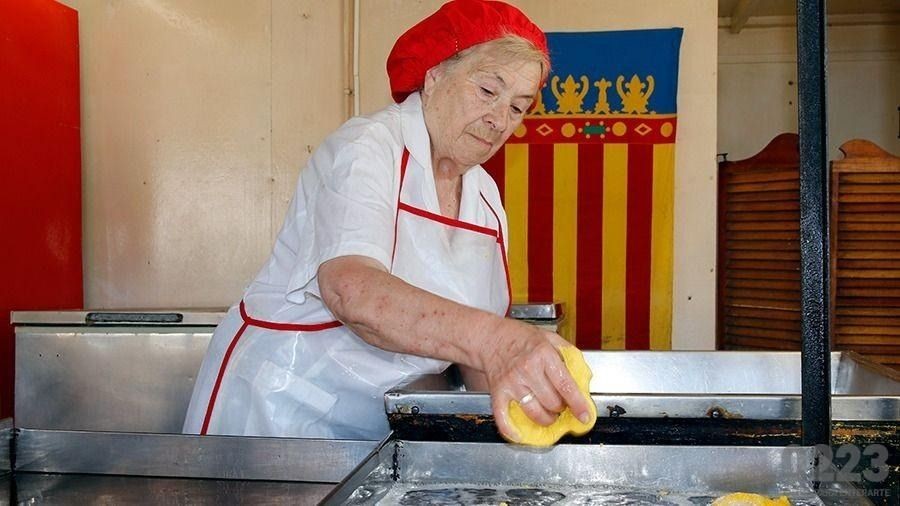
x=510, y=358
x=393, y=315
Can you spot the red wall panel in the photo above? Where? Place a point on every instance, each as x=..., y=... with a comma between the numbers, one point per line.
x=40, y=159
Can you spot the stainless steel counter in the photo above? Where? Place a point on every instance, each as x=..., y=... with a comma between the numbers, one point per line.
x=186, y=456
x=71, y=489
x=71, y=467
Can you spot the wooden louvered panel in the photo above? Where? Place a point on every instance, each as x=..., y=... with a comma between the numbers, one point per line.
x=764, y=206
x=762, y=176
x=870, y=254
x=867, y=311
x=764, y=244
x=847, y=209
x=762, y=313
x=758, y=304
x=767, y=284
x=771, y=274
x=868, y=301
x=764, y=323
x=764, y=254
x=742, y=235
x=762, y=226
x=879, y=321
x=844, y=226
x=879, y=241
x=863, y=198
x=865, y=260
x=737, y=216
x=762, y=303
x=745, y=343
x=870, y=236
x=779, y=196
x=859, y=217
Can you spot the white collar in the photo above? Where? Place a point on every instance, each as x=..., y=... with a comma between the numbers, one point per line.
x=415, y=136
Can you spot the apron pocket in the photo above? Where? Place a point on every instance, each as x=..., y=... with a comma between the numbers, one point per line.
x=279, y=382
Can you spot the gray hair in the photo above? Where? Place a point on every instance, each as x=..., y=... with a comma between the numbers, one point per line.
x=511, y=47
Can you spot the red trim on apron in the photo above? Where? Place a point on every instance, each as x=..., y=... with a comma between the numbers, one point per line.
x=294, y=327
x=215, y=390
x=403, y=161
x=450, y=222
x=502, y=254
x=253, y=322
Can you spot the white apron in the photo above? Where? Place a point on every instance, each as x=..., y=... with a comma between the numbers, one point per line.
x=319, y=379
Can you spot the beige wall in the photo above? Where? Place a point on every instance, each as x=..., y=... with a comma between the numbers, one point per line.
x=758, y=91
x=197, y=116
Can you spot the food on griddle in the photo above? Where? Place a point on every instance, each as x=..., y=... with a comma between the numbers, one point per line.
x=745, y=499
x=535, y=434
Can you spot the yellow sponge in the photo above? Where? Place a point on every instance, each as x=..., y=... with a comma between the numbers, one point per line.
x=535, y=434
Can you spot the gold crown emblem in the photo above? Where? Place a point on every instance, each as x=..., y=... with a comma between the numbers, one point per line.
x=570, y=95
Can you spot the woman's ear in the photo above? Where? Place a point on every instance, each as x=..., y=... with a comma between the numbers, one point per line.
x=432, y=76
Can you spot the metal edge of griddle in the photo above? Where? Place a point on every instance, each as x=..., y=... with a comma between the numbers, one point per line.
x=102, y=318
x=549, y=311
x=660, y=467
x=385, y=453
x=746, y=406
x=188, y=456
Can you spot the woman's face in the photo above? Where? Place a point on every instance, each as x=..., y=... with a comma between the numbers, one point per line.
x=472, y=107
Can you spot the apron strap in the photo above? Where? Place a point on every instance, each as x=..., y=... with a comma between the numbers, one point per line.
x=502, y=244
x=293, y=327
x=403, y=161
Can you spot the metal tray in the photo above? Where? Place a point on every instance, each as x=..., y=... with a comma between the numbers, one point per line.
x=685, y=384
x=407, y=472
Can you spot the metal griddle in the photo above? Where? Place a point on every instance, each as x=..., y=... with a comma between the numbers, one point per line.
x=441, y=473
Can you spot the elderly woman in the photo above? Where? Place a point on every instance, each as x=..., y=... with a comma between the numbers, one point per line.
x=391, y=261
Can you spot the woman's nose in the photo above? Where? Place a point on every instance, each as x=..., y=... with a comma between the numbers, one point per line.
x=497, y=118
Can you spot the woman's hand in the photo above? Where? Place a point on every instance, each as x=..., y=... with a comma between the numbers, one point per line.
x=521, y=361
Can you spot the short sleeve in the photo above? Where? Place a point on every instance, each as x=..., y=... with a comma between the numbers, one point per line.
x=351, y=211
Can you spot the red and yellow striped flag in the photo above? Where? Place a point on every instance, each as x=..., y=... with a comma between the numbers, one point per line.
x=589, y=194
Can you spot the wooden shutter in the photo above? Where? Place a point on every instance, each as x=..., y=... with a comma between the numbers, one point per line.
x=865, y=259
x=758, y=301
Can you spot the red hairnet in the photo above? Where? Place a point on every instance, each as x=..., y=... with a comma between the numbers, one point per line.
x=457, y=25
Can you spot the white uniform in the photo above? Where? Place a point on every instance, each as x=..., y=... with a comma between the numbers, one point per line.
x=279, y=364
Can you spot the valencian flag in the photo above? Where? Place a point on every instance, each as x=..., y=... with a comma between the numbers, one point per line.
x=587, y=183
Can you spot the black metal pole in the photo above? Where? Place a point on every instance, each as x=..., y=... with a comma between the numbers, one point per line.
x=814, y=237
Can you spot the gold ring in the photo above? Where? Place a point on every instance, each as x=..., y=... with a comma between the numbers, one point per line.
x=527, y=398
